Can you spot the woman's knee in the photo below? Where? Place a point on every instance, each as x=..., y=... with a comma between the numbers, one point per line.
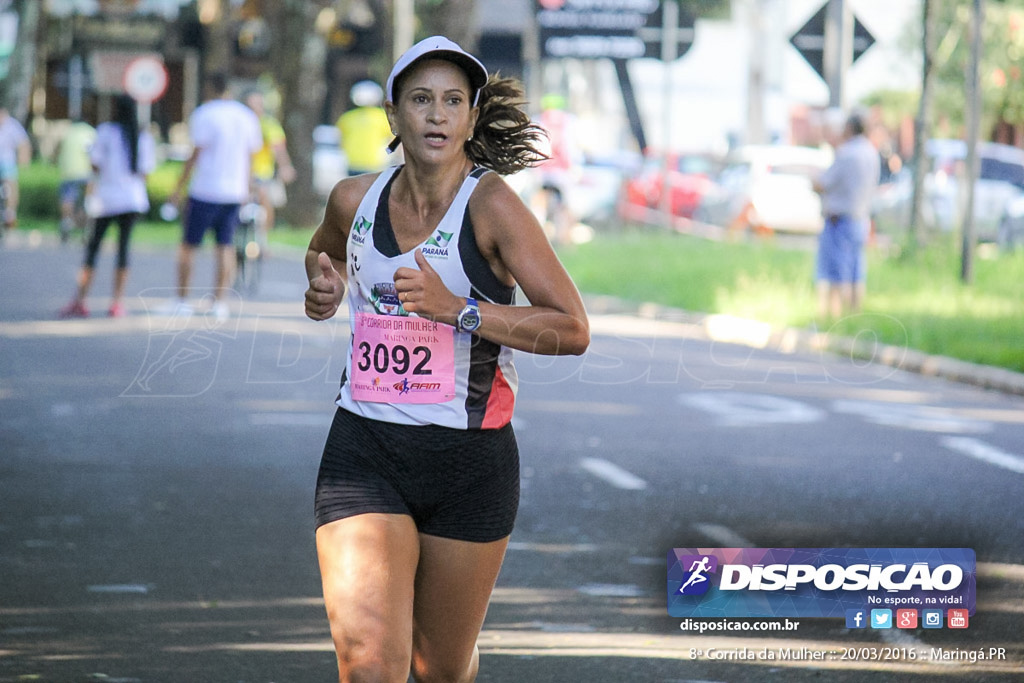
x=428, y=669
x=358, y=665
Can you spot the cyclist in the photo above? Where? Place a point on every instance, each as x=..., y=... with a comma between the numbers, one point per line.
x=75, y=171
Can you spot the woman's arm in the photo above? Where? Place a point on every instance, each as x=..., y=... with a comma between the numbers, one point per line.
x=511, y=239
x=326, y=274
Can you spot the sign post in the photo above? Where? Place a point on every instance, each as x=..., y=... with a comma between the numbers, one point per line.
x=145, y=80
x=619, y=30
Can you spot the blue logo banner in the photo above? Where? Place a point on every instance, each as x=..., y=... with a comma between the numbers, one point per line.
x=819, y=582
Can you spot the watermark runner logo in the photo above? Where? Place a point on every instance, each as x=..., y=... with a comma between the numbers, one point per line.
x=818, y=582
x=696, y=580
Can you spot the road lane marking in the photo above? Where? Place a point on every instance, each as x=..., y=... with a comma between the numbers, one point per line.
x=917, y=417
x=985, y=452
x=743, y=409
x=613, y=474
x=611, y=590
x=554, y=548
x=581, y=407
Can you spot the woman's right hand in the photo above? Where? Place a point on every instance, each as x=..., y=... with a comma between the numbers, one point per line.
x=325, y=290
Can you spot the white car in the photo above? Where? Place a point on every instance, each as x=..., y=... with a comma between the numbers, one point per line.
x=1000, y=180
x=767, y=189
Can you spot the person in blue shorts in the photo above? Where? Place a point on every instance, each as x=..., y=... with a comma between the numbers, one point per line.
x=846, y=189
x=225, y=134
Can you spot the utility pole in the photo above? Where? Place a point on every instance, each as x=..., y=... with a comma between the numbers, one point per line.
x=532, y=64
x=669, y=52
x=973, y=126
x=838, y=55
x=404, y=23
x=756, y=69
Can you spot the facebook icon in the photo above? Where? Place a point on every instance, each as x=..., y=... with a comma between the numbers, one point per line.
x=856, y=618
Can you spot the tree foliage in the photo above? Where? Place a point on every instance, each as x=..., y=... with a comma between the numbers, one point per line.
x=1002, y=65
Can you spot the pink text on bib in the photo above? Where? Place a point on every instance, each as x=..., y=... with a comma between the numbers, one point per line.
x=399, y=359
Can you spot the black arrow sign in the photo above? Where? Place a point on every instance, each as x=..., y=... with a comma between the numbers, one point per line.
x=810, y=40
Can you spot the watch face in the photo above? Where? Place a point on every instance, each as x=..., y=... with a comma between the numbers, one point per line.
x=470, y=320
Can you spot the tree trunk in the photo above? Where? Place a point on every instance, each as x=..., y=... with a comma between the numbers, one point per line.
x=916, y=233
x=973, y=126
x=16, y=87
x=455, y=19
x=218, y=43
x=298, y=55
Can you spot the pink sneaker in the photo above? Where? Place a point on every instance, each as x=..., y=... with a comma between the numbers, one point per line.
x=75, y=309
x=116, y=310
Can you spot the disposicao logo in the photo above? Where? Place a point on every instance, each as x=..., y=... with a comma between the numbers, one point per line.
x=696, y=580
x=818, y=582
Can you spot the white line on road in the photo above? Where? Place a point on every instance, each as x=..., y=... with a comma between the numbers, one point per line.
x=724, y=536
x=613, y=474
x=985, y=452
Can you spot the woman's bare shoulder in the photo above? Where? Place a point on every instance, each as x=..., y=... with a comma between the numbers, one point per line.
x=348, y=192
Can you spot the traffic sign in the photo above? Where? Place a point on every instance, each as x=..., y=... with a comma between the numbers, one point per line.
x=145, y=79
x=615, y=29
x=810, y=40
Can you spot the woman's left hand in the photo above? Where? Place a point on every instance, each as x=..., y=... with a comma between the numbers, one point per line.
x=422, y=292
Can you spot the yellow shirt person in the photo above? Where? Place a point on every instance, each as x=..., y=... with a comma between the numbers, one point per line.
x=365, y=131
x=264, y=161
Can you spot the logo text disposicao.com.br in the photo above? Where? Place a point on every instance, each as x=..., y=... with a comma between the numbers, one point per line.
x=708, y=625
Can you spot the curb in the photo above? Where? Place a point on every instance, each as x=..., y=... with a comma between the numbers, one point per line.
x=757, y=334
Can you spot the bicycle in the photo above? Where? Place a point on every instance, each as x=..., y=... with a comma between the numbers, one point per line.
x=248, y=250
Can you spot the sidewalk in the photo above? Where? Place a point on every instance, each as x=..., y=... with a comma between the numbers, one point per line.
x=760, y=335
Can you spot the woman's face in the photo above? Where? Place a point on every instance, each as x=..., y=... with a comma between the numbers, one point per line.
x=434, y=115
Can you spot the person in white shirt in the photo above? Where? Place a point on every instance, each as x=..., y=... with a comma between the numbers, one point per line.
x=15, y=150
x=846, y=190
x=225, y=134
x=121, y=157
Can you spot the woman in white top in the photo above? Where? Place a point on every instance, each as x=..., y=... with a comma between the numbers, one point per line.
x=419, y=480
x=121, y=157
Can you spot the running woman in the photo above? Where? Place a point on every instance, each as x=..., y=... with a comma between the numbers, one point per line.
x=419, y=482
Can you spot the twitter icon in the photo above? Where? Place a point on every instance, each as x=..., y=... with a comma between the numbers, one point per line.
x=881, y=618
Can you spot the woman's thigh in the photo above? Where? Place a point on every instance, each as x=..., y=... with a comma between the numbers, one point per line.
x=453, y=588
x=368, y=568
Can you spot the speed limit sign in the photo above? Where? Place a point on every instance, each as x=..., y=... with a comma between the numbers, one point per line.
x=145, y=79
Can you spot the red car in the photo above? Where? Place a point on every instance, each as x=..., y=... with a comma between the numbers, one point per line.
x=690, y=177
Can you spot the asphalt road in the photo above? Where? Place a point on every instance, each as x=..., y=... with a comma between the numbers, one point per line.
x=156, y=480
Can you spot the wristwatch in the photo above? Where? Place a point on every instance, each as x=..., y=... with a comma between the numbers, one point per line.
x=468, y=319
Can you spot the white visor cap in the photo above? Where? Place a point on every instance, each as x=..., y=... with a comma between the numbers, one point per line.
x=439, y=47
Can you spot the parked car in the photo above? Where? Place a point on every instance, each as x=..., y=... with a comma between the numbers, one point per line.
x=1010, y=234
x=1000, y=182
x=590, y=189
x=690, y=177
x=767, y=189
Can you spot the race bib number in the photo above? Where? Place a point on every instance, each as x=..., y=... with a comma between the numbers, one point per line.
x=399, y=359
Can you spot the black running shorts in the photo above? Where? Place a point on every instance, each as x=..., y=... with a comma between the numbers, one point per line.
x=455, y=483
